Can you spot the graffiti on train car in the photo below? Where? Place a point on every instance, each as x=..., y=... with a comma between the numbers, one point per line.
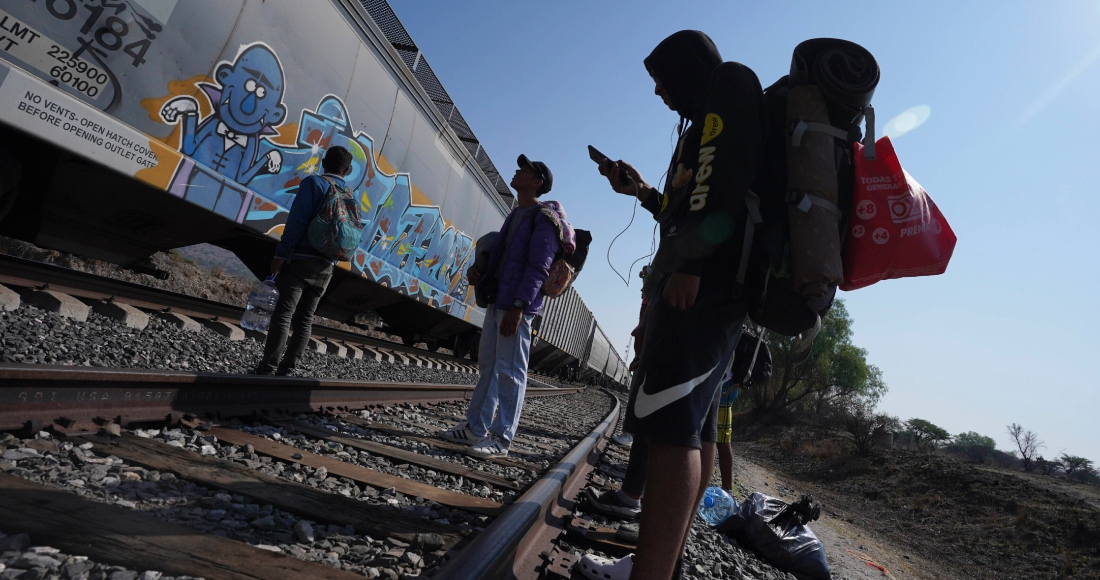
x=244, y=164
x=247, y=103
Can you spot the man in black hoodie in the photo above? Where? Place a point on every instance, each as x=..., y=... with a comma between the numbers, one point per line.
x=695, y=310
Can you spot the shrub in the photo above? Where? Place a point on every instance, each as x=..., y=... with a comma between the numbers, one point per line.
x=865, y=425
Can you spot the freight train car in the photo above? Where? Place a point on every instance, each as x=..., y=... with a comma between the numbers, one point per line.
x=570, y=339
x=128, y=128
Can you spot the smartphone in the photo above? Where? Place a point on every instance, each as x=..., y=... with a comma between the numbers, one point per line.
x=595, y=155
x=598, y=157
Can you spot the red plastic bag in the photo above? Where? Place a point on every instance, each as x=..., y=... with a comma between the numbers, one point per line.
x=895, y=229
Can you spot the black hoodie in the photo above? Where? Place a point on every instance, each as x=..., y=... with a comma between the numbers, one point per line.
x=702, y=209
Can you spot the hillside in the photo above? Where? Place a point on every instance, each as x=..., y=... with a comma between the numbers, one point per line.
x=927, y=515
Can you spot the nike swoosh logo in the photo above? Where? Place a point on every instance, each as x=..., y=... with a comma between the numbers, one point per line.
x=646, y=404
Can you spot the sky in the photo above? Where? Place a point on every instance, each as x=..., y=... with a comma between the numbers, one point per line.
x=1007, y=92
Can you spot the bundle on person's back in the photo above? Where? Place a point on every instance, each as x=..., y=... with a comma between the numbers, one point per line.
x=816, y=175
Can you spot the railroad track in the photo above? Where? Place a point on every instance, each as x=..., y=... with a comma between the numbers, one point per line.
x=230, y=476
x=42, y=283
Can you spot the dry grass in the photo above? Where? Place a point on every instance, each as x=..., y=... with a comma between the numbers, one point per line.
x=822, y=450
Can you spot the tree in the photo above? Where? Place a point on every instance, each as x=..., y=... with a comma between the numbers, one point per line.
x=1049, y=467
x=1074, y=464
x=834, y=370
x=976, y=447
x=865, y=425
x=1028, y=443
x=927, y=432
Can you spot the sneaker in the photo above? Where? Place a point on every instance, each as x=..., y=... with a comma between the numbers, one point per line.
x=600, y=568
x=623, y=439
x=608, y=504
x=628, y=532
x=489, y=446
x=460, y=434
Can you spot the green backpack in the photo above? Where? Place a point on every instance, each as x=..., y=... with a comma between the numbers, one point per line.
x=337, y=228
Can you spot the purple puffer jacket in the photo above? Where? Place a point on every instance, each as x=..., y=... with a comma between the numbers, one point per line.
x=527, y=263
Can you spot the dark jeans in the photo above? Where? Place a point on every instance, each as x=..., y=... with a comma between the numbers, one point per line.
x=301, y=283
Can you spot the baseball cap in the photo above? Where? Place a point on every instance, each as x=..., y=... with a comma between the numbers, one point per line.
x=541, y=170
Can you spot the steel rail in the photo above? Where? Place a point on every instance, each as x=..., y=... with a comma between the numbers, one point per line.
x=510, y=547
x=36, y=395
x=31, y=274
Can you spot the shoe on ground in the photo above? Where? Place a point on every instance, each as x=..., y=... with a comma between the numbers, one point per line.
x=628, y=533
x=623, y=439
x=608, y=504
x=600, y=568
x=267, y=372
x=489, y=447
x=460, y=434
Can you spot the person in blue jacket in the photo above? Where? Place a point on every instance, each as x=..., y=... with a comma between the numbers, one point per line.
x=302, y=272
x=518, y=265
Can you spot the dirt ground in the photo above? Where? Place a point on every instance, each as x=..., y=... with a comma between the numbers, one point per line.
x=913, y=514
x=853, y=551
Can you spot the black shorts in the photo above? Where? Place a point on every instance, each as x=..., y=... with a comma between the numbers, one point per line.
x=674, y=392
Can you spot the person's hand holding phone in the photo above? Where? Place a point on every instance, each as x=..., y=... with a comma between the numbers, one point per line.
x=621, y=175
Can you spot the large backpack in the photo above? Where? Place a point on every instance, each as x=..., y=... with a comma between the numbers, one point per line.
x=565, y=267
x=805, y=184
x=336, y=229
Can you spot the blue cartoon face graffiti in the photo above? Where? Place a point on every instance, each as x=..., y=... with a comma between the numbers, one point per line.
x=247, y=104
x=251, y=91
x=232, y=168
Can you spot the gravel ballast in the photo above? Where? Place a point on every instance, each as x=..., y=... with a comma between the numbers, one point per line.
x=19, y=560
x=30, y=335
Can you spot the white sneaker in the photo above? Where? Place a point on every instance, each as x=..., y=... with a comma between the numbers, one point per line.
x=460, y=434
x=600, y=568
x=489, y=446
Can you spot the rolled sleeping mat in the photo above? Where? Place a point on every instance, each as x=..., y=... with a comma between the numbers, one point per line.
x=812, y=191
x=846, y=72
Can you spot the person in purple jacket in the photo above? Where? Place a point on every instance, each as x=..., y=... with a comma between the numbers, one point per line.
x=302, y=273
x=518, y=265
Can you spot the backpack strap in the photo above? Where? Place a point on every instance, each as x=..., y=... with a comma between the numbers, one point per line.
x=554, y=222
x=754, y=217
x=755, y=352
x=802, y=126
x=804, y=201
x=333, y=185
x=868, y=140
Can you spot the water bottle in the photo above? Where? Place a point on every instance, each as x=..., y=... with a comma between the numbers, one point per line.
x=261, y=303
x=717, y=505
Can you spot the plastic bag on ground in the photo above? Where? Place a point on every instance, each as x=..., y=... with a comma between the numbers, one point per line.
x=777, y=532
